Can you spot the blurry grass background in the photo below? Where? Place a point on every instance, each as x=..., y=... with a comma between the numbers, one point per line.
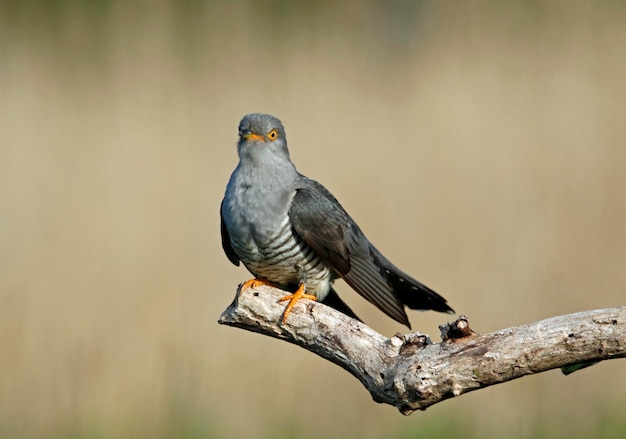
x=480, y=145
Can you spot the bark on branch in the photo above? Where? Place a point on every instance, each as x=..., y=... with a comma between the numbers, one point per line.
x=412, y=373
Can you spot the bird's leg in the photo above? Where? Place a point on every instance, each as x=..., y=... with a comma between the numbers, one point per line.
x=293, y=298
x=256, y=282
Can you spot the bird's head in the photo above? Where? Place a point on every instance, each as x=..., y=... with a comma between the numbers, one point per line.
x=260, y=134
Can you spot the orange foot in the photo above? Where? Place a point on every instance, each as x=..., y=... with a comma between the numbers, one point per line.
x=253, y=283
x=293, y=298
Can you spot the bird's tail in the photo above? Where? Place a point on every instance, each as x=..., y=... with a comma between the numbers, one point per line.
x=412, y=292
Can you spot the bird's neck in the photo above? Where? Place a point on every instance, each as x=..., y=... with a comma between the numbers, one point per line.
x=267, y=170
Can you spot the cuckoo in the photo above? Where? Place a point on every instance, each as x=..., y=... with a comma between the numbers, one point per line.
x=291, y=232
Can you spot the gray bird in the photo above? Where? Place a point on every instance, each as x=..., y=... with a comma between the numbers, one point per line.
x=289, y=231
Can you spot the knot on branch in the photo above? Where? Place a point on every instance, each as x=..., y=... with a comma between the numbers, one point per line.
x=411, y=343
x=460, y=328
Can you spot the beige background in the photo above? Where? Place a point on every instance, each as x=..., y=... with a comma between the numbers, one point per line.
x=481, y=146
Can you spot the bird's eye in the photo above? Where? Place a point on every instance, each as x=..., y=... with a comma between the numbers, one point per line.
x=272, y=135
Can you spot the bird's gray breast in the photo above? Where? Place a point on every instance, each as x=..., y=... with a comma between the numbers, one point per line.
x=257, y=220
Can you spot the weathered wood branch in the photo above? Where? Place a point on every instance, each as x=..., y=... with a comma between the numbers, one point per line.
x=412, y=373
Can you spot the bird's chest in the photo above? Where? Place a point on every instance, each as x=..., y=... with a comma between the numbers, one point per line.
x=257, y=216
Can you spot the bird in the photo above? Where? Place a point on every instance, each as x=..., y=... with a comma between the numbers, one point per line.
x=289, y=231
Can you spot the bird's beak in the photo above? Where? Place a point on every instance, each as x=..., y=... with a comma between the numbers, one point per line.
x=251, y=136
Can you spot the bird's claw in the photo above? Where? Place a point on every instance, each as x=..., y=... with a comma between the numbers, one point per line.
x=293, y=298
x=253, y=283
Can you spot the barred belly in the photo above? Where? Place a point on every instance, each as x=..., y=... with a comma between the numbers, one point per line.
x=284, y=258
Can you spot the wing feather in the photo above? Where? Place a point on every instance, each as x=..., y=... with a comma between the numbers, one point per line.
x=325, y=226
x=226, y=245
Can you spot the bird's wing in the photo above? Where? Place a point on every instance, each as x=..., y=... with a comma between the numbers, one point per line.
x=226, y=245
x=324, y=225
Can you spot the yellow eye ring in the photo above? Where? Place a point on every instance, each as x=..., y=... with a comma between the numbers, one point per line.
x=272, y=135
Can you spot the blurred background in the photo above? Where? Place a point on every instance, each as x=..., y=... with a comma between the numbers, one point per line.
x=480, y=145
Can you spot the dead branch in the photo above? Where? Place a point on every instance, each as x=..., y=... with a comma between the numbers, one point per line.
x=412, y=373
